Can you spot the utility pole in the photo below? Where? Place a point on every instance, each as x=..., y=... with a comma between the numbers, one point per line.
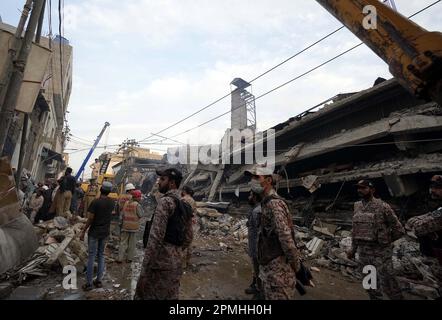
x=13, y=50
x=18, y=73
x=26, y=118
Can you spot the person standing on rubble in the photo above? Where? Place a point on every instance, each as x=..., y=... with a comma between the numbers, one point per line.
x=253, y=226
x=126, y=196
x=76, y=198
x=130, y=225
x=122, y=199
x=35, y=204
x=375, y=228
x=96, y=166
x=67, y=189
x=98, y=223
x=428, y=229
x=162, y=266
x=187, y=196
x=43, y=212
x=278, y=257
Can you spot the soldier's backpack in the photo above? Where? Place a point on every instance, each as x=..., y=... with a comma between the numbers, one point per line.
x=179, y=222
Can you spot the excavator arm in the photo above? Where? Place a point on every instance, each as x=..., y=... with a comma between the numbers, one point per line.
x=414, y=55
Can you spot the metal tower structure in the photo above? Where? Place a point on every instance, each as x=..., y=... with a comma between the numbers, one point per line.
x=243, y=106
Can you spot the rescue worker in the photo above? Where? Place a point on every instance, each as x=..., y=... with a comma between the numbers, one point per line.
x=67, y=188
x=96, y=166
x=90, y=195
x=252, y=226
x=130, y=225
x=277, y=254
x=127, y=195
x=35, y=204
x=171, y=227
x=375, y=228
x=428, y=229
x=187, y=196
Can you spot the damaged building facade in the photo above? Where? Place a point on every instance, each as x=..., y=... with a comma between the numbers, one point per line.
x=383, y=133
x=48, y=79
x=40, y=113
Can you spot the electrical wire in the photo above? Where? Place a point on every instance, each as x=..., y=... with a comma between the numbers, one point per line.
x=254, y=79
x=290, y=81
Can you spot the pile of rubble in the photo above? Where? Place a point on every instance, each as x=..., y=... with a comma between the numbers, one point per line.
x=327, y=247
x=214, y=223
x=59, y=247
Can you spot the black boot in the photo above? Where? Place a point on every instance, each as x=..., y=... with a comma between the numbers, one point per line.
x=252, y=289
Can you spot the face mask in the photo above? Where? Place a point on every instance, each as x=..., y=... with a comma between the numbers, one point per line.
x=256, y=187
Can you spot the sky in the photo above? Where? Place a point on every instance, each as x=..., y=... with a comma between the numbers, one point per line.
x=142, y=65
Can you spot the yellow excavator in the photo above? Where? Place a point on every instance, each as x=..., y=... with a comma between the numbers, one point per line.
x=414, y=55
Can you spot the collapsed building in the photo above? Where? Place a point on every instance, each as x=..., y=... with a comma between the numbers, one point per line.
x=383, y=133
x=132, y=165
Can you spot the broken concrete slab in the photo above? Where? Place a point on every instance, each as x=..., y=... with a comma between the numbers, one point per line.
x=61, y=248
x=314, y=246
x=61, y=222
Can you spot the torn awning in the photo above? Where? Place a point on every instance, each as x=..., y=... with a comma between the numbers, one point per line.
x=48, y=155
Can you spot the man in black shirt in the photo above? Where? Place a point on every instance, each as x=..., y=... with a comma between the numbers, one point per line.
x=67, y=189
x=98, y=223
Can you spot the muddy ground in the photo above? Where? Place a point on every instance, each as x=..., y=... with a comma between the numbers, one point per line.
x=219, y=268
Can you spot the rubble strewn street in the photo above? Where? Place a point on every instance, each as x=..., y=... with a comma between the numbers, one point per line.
x=124, y=175
x=218, y=269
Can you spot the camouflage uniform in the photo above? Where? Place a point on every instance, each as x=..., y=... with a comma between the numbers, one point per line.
x=430, y=225
x=427, y=223
x=162, y=266
x=277, y=276
x=375, y=227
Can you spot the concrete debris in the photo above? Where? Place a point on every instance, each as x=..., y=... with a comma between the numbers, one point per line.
x=345, y=244
x=62, y=247
x=416, y=274
x=58, y=247
x=61, y=222
x=212, y=222
x=311, y=183
x=208, y=212
x=324, y=228
x=314, y=246
x=418, y=289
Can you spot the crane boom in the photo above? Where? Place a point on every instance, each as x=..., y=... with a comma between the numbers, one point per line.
x=80, y=171
x=414, y=55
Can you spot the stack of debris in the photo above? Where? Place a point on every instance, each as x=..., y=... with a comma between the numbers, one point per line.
x=416, y=274
x=212, y=222
x=59, y=247
x=327, y=247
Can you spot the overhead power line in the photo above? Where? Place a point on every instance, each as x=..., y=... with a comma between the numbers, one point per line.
x=251, y=81
x=291, y=80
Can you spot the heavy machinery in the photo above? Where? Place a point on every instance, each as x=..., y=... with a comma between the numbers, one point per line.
x=414, y=55
x=88, y=156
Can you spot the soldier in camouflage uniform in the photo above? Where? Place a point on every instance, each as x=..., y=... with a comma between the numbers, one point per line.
x=162, y=266
x=429, y=227
x=278, y=256
x=375, y=228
